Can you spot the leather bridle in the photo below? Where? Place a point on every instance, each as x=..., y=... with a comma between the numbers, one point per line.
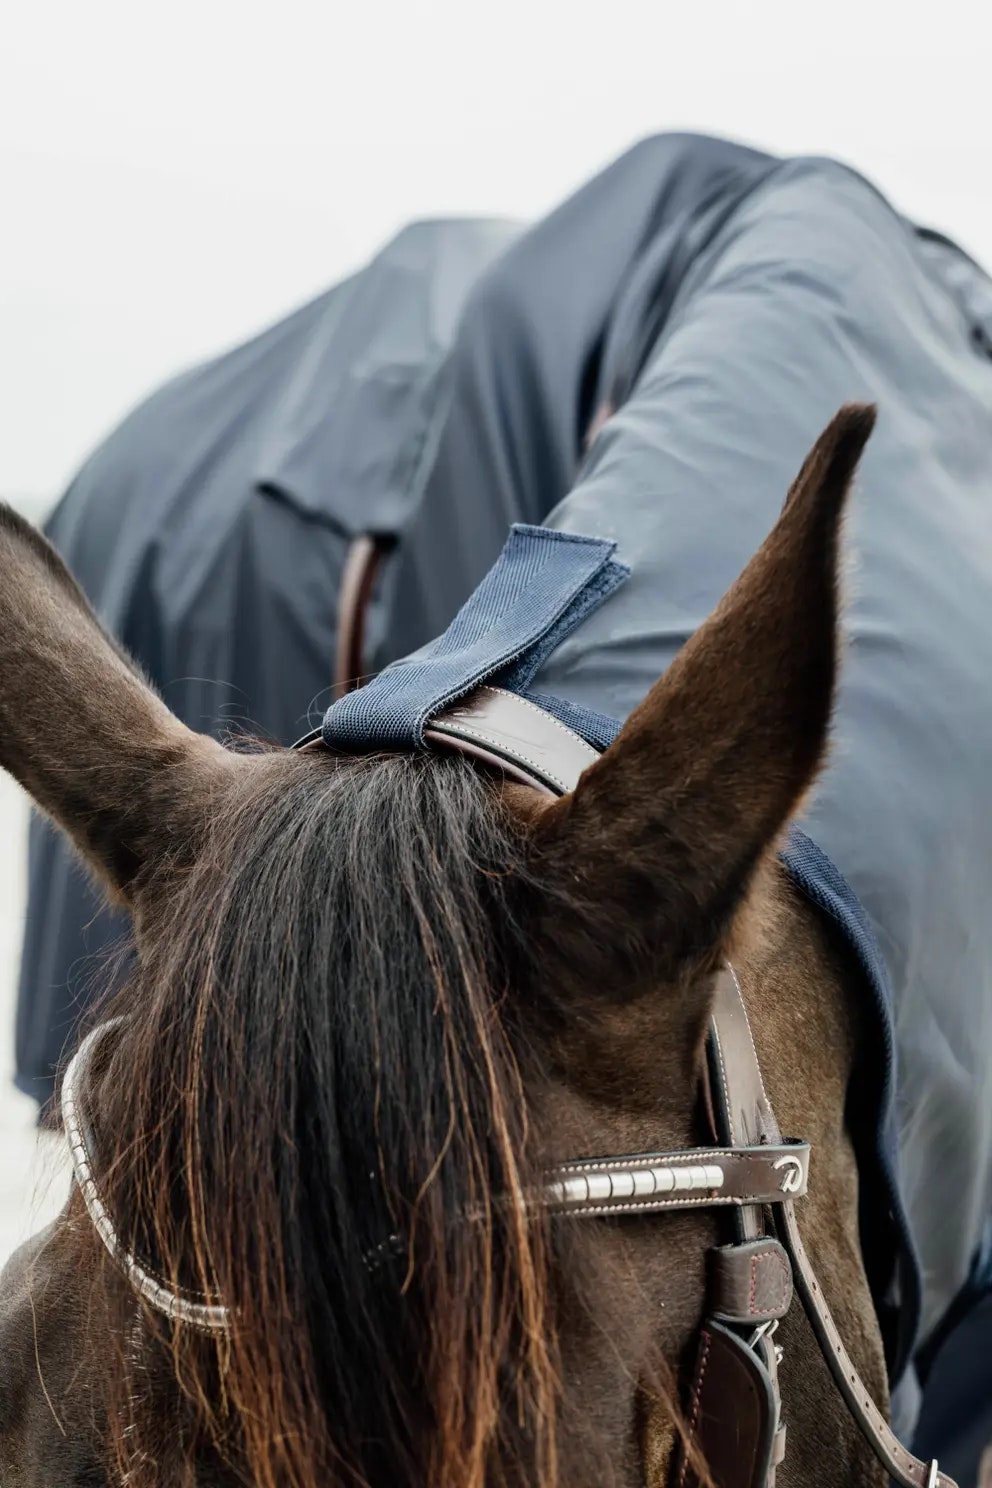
x=733, y=1405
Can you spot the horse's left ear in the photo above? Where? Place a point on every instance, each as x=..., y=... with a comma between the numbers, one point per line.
x=655, y=849
x=83, y=731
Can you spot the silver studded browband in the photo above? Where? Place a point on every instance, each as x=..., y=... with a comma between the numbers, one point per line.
x=206, y=1317
x=704, y=1177
x=649, y=1183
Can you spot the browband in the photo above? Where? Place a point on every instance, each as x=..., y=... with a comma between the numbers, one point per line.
x=705, y=1177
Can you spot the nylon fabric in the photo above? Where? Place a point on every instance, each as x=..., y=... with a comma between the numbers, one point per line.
x=542, y=586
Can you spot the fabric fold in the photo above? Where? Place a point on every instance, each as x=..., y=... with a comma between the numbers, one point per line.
x=542, y=586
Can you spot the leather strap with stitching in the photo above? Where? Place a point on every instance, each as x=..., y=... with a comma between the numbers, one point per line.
x=745, y=1098
x=736, y=1424
x=749, y=1283
x=516, y=737
x=899, y=1463
x=705, y=1177
x=730, y=1413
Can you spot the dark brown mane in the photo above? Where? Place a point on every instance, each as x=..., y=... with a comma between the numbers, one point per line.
x=315, y=1061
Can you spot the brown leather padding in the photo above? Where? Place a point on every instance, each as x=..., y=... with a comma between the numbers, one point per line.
x=731, y=1410
x=749, y=1283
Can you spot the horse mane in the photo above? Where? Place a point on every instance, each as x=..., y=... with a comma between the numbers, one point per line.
x=316, y=1113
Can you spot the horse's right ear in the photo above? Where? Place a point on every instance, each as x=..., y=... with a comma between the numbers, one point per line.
x=84, y=733
x=647, y=860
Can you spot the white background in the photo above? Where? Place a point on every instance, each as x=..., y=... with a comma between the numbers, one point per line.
x=173, y=177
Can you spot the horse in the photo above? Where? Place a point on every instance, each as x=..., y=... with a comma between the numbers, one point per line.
x=377, y=997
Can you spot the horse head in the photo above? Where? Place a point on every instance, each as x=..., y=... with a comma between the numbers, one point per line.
x=373, y=1000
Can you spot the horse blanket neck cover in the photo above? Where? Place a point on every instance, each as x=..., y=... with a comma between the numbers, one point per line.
x=540, y=589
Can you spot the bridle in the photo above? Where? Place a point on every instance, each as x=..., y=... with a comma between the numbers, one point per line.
x=733, y=1404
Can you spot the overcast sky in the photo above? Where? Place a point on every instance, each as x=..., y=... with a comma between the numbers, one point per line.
x=174, y=177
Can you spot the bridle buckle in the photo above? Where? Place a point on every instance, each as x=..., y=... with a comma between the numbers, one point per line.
x=767, y=1330
x=763, y=1330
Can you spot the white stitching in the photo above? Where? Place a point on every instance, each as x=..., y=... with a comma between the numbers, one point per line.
x=570, y=734
x=723, y=1072
x=499, y=744
x=694, y=1156
x=708, y=1200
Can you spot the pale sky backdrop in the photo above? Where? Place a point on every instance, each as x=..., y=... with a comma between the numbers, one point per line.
x=173, y=177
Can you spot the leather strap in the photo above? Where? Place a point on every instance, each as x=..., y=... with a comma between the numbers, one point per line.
x=741, y=1092
x=739, y=1088
x=361, y=568
x=742, y=1112
x=900, y=1464
x=505, y=731
x=700, y=1177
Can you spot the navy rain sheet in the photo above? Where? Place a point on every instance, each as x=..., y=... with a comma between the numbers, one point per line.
x=704, y=309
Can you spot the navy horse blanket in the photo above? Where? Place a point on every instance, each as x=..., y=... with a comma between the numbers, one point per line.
x=649, y=365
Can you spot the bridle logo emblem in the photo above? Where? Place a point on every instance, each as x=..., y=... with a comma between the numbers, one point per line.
x=792, y=1178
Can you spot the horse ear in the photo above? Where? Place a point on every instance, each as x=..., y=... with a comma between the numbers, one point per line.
x=655, y=848
x=83, y=732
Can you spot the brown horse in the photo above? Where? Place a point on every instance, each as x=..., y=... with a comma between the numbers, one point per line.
x=375, y=997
